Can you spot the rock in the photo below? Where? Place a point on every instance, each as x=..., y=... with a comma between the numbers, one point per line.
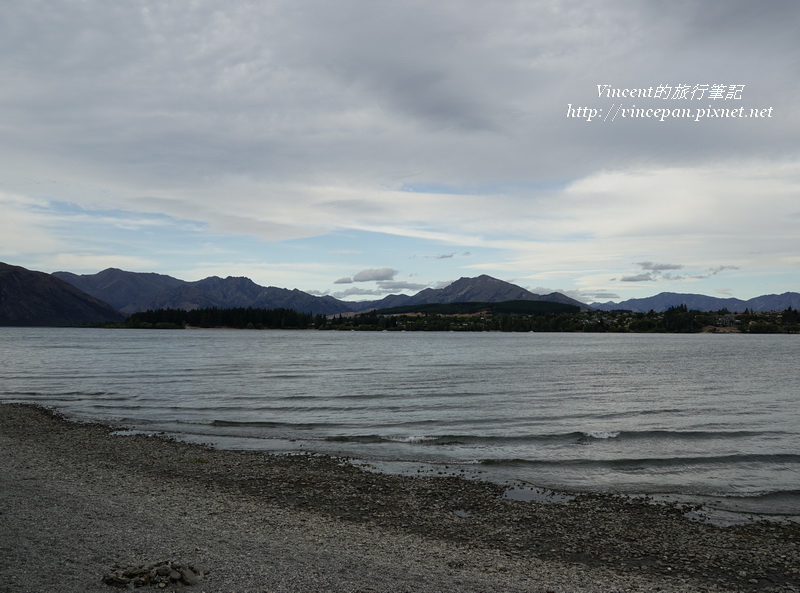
x=116, y=580
x=141, y=581
x=159, y=574
x=188, y=577
x=200, y=569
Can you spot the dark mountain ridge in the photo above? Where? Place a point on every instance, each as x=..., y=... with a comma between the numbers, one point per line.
x=132, y=292
x=30, y=298
x=117, y=287
x=663, y=301
x=483, y=289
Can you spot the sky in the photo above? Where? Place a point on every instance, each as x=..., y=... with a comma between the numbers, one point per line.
x=607, y=150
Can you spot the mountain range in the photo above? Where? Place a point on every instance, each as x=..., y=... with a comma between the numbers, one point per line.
x=37, y=299
x=134, y=291
x=665, y=300
x=66, y=299
x=130, y=292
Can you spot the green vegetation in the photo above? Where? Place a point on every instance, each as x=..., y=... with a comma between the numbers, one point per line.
x=563, y=318
x=240, y=318
x=510, y=307
x=511, y=316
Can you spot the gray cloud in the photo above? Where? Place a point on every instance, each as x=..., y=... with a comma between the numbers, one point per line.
x=655, y=267
x=355, y=291
x=293, y=119
x=381, y=289
x=390, y=286
x=346, y=280
x=597, y=296
x=449, y=255
x=656, y=271
x=714, y=271
x=174, y=95
x=638, y=278
x=374, y=274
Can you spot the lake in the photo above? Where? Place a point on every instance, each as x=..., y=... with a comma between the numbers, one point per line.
x=698, y=416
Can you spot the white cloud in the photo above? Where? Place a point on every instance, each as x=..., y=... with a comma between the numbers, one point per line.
x=70, y=262
x=281, y=275
x=24, y=228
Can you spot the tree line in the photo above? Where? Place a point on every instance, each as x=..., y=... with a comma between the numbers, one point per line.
x=678, y=319
x=458, y=317
x=238, y=317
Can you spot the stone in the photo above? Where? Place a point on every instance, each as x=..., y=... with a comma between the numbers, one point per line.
x=188, y=577
x=141, y=581
x=200, y=569
x=116, y=580
x=159, y=574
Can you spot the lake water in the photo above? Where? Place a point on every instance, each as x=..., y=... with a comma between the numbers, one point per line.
x=709, y=417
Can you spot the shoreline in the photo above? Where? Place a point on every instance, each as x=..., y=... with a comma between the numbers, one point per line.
x=78, y=500
x=719, y=509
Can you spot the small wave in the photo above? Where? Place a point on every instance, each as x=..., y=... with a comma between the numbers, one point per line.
x=650, y=462
x=763, y=495
x=671, y=434
x=273, y=425
x=361, y=439
x=602, y=435
x=271, y=376
x=421, y=434
x=374, y=439
x=412, y=439
x=57, y=394
x=779, y=493
x=565, y=438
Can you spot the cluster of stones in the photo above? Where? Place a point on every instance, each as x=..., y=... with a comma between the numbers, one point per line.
x=161, y=574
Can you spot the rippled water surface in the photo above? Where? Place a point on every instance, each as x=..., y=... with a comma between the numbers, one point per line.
x=715, y=415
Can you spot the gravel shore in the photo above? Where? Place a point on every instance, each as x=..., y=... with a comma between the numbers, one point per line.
x=77, y=502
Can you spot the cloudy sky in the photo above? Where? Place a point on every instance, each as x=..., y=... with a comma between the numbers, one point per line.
x=360, y=147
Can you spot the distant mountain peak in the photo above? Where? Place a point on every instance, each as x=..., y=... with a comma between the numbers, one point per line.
x=484, y=289
x=664, y=300
x=30, y=298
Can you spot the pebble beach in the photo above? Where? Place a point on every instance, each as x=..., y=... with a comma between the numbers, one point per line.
x=83, y=509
